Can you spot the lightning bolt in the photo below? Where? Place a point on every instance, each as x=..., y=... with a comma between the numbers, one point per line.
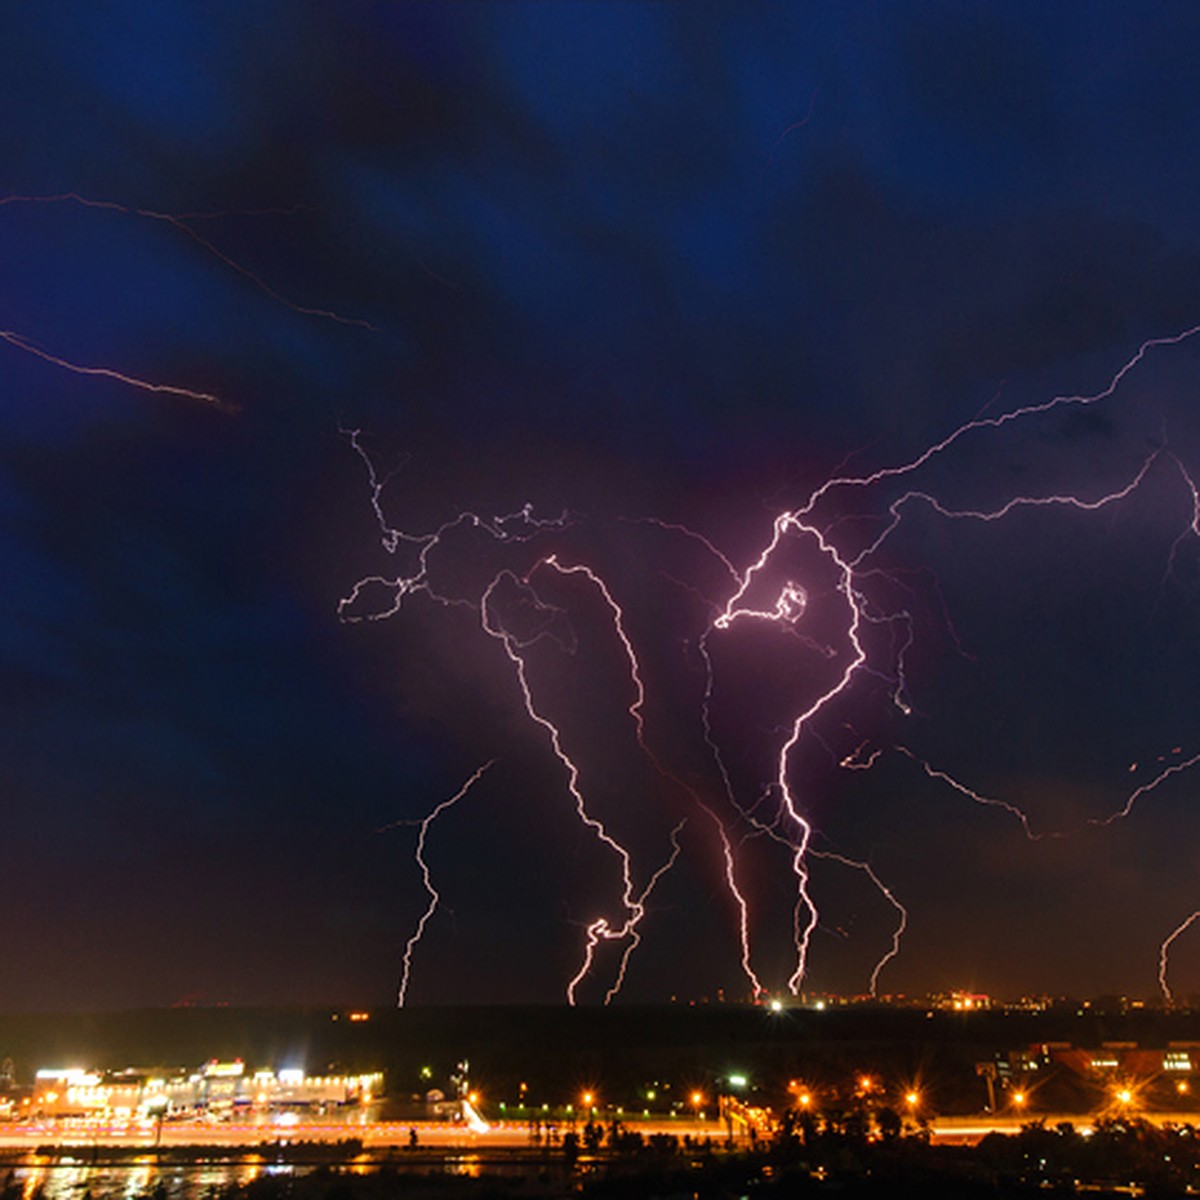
x=791, y=606
x=144, y=385
x=1019, y=813
x=183, y=223
x=901, y=912
x=977, y=797
x=984, y=423
x=787, y=609
x=1145, y=788
x=1164, y=955
x=797, y=125
x=849, y=567
x=180, y=222
x=426, y=875
x=873, y=640
x=631, y=898
x=1193, y=526
x=818, y=522
x=600, y=931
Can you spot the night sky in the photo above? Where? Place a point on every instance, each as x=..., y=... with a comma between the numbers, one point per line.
x=626, y=282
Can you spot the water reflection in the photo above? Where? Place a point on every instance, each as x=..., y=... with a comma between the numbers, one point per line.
x=362, y=1164
x=67, y=1177
x=464, y=1164
x=134, y=1179
x=138, y=1178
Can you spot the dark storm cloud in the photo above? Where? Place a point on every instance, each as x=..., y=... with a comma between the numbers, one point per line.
x=620, y=259
x=985, y=75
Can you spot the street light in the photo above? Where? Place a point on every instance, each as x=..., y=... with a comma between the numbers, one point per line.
x=1125, y=1097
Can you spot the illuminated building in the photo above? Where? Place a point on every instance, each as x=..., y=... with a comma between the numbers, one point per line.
x=963, y=1002
x=1170, y=1072
x=216, y=1087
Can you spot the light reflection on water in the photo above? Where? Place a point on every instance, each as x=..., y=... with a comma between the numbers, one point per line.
x=464, y=1164
x=72, y=1179
x=361, y=1164
x=142, y=1178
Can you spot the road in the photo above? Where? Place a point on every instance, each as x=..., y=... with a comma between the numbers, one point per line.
x=380, y=1135
x=444, y=1136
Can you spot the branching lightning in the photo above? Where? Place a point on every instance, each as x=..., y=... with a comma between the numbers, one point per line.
x=632, y=900
x=873, y=638
x=886, y=892
x=184, y=223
